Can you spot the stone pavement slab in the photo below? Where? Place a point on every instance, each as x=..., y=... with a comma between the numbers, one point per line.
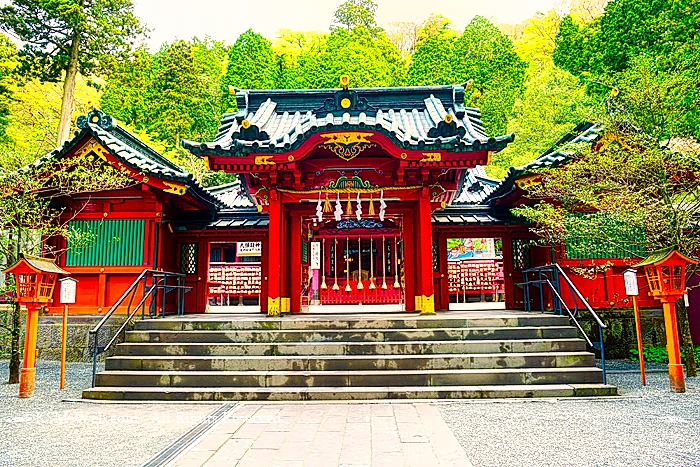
x=328, y=435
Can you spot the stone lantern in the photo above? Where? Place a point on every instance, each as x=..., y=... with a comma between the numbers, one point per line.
x=665, y=271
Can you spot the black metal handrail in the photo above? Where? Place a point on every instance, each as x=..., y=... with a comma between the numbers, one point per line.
x=158, y=282
x=551, y=275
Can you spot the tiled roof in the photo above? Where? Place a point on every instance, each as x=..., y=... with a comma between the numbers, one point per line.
x=557, y=155
x=412, y=117
x=474, y=187
x=478, y=214
x=234, y=195
x=129, y=150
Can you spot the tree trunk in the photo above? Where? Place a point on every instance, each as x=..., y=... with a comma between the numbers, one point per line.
x=686, y=339
x=69, y=91
x=15, y=352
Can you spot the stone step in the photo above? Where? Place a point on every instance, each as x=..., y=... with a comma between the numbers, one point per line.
x=357, y=362
x=360, y=378
x=411, y=321
x=345, y=393
x=373, y=335
x=353, y=348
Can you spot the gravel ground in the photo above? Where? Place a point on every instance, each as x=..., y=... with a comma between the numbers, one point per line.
x=649, y=427
x=46, y=432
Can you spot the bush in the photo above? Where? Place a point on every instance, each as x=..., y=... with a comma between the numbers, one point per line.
x=659, y=354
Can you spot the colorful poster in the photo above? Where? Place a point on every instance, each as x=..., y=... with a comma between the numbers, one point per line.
x=460, y=249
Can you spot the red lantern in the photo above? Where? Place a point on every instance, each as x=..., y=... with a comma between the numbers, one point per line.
x=35, y=279
x=665, y=271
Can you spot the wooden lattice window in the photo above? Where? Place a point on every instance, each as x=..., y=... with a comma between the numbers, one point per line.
x=188, y=258
x=521, y=253
x=436, y=259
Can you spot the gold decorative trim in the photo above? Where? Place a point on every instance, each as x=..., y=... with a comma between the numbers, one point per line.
x=286, y=302
x=92, y=147
x=345, y=103
x=245, y=124
x=264, y=160
x=347, y=145
x=273, y=306
x=448, y=118
x=431, y=157
x=175, y=188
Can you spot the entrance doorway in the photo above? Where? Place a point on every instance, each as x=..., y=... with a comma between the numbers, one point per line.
x=475, y=273
x=235, y=277
x=355, y=266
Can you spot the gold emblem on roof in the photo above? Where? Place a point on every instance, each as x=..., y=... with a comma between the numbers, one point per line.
x=347, y=145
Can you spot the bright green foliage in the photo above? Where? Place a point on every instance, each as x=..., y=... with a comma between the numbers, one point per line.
x=368, y=60
x=48, y=28
x=8, y=64
x=171, y=95
x=296, y=53
x=554, y=102
x=433, y=61
x=659, y=354
x=537, y=41
x=353, y=13
x=251, y=64
x=484, y=54
x=640, y=45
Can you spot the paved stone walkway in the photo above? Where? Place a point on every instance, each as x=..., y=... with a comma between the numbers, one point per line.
x=327, y=435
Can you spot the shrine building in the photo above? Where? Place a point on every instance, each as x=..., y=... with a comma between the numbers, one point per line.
x=370, y=198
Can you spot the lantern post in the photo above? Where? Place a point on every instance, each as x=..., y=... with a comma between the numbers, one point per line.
x=665, y=271
x=35, y=279
x=632, y=290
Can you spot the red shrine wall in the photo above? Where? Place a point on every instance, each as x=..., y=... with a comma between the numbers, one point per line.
x=100, y=285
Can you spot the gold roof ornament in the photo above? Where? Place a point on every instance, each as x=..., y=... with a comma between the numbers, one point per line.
x=231, y=90
x=344, y=81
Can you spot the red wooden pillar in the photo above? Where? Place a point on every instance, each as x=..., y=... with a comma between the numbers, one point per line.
x=284, y=260
x=409, y=262
x=295, y=263
x=508, y=271
x=274, y=256
x=444, y=289
x=425, y=248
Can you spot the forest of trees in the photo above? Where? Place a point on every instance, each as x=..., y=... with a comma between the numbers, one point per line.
x=537, y=79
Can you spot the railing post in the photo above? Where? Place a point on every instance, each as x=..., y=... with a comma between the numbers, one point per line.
x=602, y=354
x=165, y=292
x=526, y=291
x=94, y=358
x=539, y=284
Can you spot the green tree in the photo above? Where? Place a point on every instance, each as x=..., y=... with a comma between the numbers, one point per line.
x=65, y=37
x=487, y=56
x=353, y=13
x=251, y=64
x=8, y=81
x=553, y=102
x=433, y=61
x=171, y=95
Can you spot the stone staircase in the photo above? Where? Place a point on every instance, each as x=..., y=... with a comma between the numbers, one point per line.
x=446, y=356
